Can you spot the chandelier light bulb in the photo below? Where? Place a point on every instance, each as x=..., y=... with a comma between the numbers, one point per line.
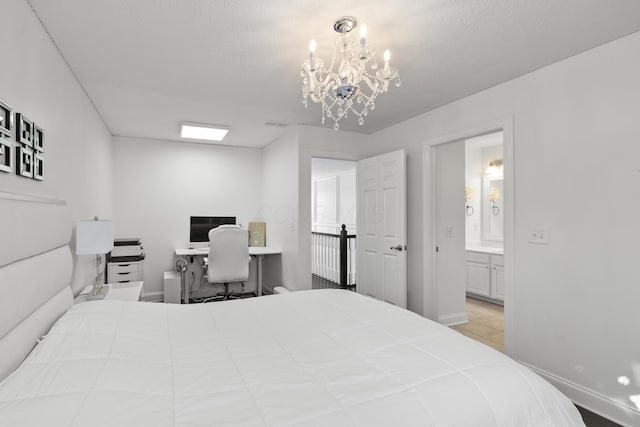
x=312, y=51
x=363, y=36
x=387, y=57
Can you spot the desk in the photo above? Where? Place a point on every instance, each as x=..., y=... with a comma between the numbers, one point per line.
x=255, y=251
x=130, y=291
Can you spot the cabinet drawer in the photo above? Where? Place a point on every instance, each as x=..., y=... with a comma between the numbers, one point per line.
x=132, y=276
x=477, y=257
x=123, y=268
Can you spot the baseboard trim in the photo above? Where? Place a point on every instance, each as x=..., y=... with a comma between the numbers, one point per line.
x=453, y=319
x=619, y=412
x=153, y=296
x=486, y=299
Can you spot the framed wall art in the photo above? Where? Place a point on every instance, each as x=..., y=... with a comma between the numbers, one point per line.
x=6, y=120
x=6, y=163
x=24, y=130
x=38, y=166
x=257, y=234
x=38, y=139
x=24, y=161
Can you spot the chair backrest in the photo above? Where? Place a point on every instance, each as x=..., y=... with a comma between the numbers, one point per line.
x=228, y=254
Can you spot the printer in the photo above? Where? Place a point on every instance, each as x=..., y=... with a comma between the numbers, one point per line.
x=129, y=249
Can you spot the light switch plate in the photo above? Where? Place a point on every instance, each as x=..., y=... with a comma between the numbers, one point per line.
x=540, y=235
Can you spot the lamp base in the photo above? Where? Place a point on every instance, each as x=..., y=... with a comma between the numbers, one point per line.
x=98, y=293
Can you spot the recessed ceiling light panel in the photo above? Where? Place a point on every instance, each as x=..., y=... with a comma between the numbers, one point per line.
x=202, y=131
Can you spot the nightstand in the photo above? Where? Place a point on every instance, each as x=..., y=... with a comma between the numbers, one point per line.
x=129, y=291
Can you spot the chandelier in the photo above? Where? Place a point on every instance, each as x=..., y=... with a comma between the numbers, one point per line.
x=356, y=83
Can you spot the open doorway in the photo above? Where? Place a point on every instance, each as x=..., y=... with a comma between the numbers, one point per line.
x=484, y=239
x=333, y=223
x=470, y=240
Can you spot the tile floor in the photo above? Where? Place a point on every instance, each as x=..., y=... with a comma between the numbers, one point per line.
x=486, y=323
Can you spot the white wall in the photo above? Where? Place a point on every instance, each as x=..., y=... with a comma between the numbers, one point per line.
x=279, y=210
x=334, y=202
x=35, y=80
x=576, y=172
x=347, y=201
x=450, y=261
x=160, y=184
x=325, y=192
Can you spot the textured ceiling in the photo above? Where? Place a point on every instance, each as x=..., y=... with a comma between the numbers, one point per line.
x=147, y=65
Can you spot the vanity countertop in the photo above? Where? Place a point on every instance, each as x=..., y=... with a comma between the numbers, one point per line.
x=485, y=249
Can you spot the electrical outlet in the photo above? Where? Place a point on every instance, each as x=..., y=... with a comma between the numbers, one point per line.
x=540, y=235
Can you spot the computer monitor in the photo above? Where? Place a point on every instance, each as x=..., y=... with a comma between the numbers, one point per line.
x=199, y=226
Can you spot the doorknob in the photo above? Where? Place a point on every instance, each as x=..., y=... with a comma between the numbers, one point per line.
x=397, y=248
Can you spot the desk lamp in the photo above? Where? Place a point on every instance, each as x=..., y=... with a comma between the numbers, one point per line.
x=95, y=238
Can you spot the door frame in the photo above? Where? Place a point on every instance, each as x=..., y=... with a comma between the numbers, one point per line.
x=304, y=206
x=429, y=284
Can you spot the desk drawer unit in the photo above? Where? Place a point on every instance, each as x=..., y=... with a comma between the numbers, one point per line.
x=124, y=272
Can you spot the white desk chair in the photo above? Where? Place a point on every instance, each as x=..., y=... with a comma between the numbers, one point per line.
x=228, y=259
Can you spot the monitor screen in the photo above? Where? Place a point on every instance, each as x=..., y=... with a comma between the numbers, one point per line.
x=199, y=226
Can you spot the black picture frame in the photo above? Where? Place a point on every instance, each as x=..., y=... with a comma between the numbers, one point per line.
x=6, y=155
x=24, y=161
x=6, y=120
x=38, y=138
x=24, y=130
x=38, y=166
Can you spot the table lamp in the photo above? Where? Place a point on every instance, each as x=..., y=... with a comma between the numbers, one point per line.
x=95, y=238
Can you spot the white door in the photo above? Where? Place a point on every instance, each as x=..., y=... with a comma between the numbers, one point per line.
x=450, y=233
x=382, y=228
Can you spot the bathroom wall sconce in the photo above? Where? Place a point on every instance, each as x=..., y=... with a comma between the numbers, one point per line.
x=495, y=168
x=468, y=196
x=494, y=196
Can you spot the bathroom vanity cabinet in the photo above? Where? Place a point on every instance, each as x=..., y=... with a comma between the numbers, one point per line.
x=485, y=274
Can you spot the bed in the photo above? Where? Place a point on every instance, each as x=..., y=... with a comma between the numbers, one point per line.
x=310, y=358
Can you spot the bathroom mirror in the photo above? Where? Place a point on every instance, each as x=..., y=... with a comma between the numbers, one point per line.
x=492, y=212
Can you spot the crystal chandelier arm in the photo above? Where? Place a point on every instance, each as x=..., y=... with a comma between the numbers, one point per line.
x=373, y=86
x=329, y=78
x=321, y=88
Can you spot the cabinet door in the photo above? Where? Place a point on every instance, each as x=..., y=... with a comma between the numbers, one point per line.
x=497, y=282
x=478, y=278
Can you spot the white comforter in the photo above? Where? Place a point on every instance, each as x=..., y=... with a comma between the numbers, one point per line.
x=316, y=358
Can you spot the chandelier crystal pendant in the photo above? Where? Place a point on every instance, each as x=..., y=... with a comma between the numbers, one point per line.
x=356, y=83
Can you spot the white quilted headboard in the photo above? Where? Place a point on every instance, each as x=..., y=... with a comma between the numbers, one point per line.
x=35, y=272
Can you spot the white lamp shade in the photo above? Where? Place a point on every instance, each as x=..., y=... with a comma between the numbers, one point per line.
x=94, y=237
